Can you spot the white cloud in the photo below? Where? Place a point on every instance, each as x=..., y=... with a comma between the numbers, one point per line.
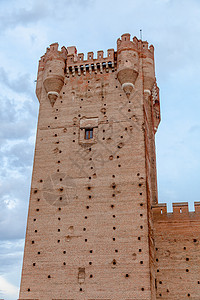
x=8, y=290
x=10, y=202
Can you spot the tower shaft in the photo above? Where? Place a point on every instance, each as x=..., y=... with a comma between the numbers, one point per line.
x=89, y=231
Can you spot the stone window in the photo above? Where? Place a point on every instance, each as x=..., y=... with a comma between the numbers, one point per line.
x=88, y=130
x=88, y=133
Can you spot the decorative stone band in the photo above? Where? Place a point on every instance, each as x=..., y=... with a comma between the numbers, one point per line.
x=148, y=92
x=52, y=94
x=128, y=87
x=52, y=97
x=127, y=84
x=155, y=93
x=89, y=122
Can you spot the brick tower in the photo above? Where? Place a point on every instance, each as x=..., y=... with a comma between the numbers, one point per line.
x=90, y=223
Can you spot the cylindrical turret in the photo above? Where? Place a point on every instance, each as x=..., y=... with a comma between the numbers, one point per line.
x=40, y=77
x=127, y=62
x=148, y=66
x=53, y=77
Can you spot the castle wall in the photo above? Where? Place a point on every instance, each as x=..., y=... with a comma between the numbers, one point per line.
x=88, y=225
x=177, y=255
x=95, y=229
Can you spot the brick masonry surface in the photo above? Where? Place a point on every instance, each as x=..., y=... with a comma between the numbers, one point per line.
x=95, y=229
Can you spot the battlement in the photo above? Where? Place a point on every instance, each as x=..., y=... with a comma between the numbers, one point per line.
x=55, y=66
x=125, y=43
x=76, y=64
x=52, y=52
x=74, y=58
x=180, y=212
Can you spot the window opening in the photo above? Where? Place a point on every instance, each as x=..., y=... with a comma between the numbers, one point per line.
x=88, y=133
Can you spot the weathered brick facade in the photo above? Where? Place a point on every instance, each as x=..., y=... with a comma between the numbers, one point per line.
x=95, y=230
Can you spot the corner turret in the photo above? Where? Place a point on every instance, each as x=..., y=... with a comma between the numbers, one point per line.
x=129, y=54
x=127, y=62
x=148, y=66
x=51, y=72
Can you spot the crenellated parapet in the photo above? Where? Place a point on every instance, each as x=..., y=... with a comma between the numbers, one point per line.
x=52, y=53
x=76, y=65
x=142, y=47
x=180, y=212
x=133, y=58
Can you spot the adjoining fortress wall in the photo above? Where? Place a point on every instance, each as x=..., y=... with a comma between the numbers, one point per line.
x=177, y=251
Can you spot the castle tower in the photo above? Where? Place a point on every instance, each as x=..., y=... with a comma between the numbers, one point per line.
x=90, y=224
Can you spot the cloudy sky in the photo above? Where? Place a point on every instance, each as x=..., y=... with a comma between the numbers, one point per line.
x=27, y=27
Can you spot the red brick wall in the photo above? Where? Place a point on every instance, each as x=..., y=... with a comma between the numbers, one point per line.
x=89, y=224
x=177, y=237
